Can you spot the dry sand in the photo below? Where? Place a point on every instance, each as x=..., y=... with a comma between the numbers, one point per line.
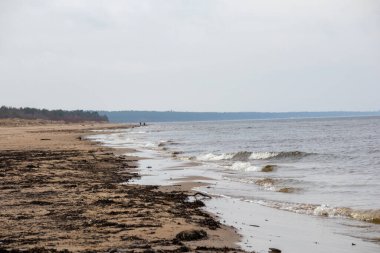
x=60, y=192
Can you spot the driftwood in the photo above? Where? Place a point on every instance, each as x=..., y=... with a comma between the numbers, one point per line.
x=200, y=194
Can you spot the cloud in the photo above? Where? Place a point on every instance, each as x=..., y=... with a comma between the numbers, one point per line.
x=214, y=55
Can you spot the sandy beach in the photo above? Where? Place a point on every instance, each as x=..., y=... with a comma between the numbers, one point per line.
x=60, y=192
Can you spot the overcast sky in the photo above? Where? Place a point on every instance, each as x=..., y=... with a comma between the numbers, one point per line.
x=191, y=55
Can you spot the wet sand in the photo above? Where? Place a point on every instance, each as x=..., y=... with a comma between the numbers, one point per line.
x=61, y=192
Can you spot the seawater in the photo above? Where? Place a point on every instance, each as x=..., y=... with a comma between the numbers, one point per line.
x=317, y=167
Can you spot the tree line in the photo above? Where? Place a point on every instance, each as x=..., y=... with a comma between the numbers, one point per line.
x=56, y=115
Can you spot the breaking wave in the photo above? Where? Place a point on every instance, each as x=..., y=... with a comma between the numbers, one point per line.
x=265, y=183
x=246, y=156
x=372, y=216
x=278, y=155
x=268, y=184
x=244, y=166
x=213, y=157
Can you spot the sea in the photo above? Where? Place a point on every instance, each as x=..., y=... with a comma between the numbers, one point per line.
x=313, y=180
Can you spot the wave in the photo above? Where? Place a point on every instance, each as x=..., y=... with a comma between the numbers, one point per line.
x=213, y=157
x=241, y=156
x=372, y=216
x=244, y=166
x=263, y=155
x=269, y=184
x=246, y=156
x=167, y=142
x=278, y=155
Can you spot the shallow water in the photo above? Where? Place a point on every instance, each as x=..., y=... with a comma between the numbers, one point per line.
x=325, y=168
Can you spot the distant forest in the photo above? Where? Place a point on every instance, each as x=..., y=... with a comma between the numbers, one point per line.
x=56, y=115
x=171, y=116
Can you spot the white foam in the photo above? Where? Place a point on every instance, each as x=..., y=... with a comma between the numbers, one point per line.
x=262, y=155
x=150, y=145
x=244, y=166
x=213, y=157
x=321, y=210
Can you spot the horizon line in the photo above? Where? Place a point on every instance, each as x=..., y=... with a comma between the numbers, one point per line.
x=183, y=111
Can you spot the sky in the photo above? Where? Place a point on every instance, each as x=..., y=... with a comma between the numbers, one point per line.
x=191, y=55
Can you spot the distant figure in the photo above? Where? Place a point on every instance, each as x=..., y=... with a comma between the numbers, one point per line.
x=144, y=124
x=140, y=123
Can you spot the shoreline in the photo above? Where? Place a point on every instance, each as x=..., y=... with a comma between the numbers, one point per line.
x=60, y=192
x=261, y=227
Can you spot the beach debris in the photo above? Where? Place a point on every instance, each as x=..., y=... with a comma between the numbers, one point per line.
x=287, y=190
x=98, y=185
x=184, y=248
x=131, y=238
x=268, y=168
x=31, y=166
x=256, y=226
x=216, y=249
x=104, y=202
x=266, y=182
x=34, y=250
x=195, y=203
x=274, y=250
x=176, y=153
x=210, y=223
x=191, y=235
x=40, y=203
x=202, y=196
